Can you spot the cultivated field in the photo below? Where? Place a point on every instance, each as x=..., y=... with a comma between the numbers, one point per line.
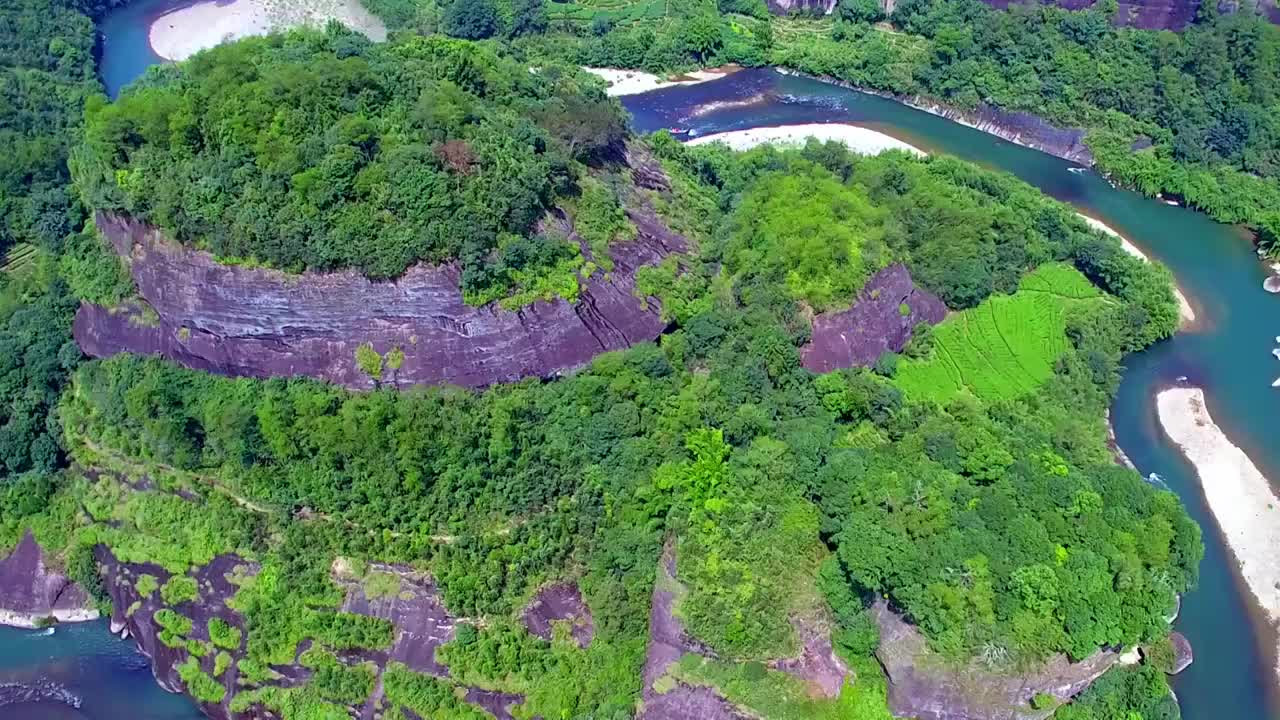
x=621, y=12
x=1006, y=346
x=20, y=258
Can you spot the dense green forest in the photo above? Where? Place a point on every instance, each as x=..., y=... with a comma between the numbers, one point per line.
x=47, y=74
x=328, y=151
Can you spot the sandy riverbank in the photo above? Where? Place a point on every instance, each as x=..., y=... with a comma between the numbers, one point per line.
x=634, y=82
x=29, y=621
x=1239, y=496
x=1185, y=311
x=859, y=139
x=184, y=32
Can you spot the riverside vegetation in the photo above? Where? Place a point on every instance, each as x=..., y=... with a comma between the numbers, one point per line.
x=1191, y=115
x=996, y=521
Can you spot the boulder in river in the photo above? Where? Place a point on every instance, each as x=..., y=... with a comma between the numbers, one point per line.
x=1272, y=284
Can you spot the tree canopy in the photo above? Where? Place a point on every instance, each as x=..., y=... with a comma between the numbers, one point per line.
x=325, y=151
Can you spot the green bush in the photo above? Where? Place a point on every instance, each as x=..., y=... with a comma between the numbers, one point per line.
x=179, y=589
x=223, y=635
x=201, y=687
x=146, y=585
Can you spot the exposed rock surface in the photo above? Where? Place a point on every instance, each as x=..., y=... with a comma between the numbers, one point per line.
x=31, y=593
x=667, y=642
x=421, y=621
x=1182, y=654
x=874, y=324
x=1019, y=128
x=495, y=703
x=817, y=663
x=925, y=687
x=559, y=602
x=665, y=698
x=245, y=321
x=135, y=616
x=807, y=7
x=1153, y=14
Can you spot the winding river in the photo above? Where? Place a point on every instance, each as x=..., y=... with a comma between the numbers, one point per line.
x=1229, y=356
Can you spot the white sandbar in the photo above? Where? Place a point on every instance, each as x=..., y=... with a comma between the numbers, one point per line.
x=1185, y=311
x=859, y=139
x=634, y=82
x=184, y=32
x=1238, y=495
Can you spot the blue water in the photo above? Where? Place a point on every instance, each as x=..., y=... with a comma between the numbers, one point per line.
x=126, y=50
x=81, y=672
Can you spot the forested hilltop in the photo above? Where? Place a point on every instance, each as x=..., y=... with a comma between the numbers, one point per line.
x=1190, y=115
x=314, y=153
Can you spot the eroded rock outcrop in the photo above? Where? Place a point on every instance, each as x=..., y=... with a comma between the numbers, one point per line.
x=1017, y=127
x=880, y=320
x=561, y=602
x=817, y=664
x=1182, y=653
x=254, y=322
x=927, y=687
x=1154, y=14
x=33, y=594
x=807, y=7
x=134, y=615
x=666, y=698
x=668, y=641
x=421, y=622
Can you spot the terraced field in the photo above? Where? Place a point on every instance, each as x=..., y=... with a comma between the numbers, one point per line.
x=1006, y=346
x=621, y=12
x=20, y=258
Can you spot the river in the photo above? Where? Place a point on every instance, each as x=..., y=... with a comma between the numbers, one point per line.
x=81, y=672
x=1229, y=356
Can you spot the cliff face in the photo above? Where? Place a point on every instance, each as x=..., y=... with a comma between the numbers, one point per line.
x=926, y=687
x=133, y=616
x=32, y=594
x=807, y=7
x=420, y=625
x=1153, y=14
x=262, y=323
x=876, y=323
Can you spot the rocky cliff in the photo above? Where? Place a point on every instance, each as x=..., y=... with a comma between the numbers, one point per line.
x=133, y=616
x=246, y=321
x=806, y=7
x=1154, y=14
x=880, y=320
x=927, y=687
x=419, y=620
x=32, y=594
